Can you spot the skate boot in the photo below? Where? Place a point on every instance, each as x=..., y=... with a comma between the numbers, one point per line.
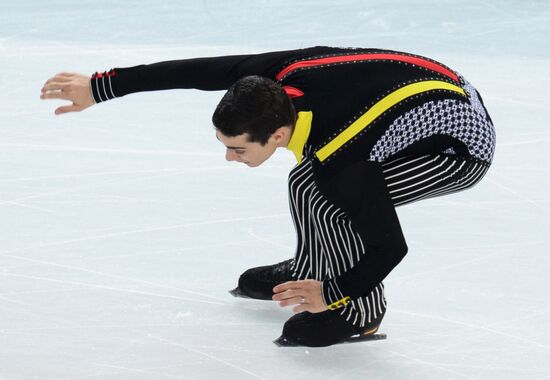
x=259, y=282
x=325, y=329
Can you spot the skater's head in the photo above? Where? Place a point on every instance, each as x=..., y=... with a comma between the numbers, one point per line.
x=254, y=117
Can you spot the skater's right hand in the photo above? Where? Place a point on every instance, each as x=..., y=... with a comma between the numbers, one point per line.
x=73, y=87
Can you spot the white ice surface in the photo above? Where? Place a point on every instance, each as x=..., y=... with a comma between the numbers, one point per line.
x=122, y=228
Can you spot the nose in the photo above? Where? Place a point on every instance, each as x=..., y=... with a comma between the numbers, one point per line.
x=230, y=155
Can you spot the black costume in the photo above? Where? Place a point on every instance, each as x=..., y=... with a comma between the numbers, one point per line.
x=376, y=129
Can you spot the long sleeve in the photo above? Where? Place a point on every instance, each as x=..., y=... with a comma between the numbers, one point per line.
x=361, y=191
x=210, y=73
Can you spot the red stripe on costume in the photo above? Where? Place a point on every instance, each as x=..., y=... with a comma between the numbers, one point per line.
x=368, y=57
x=293, y=92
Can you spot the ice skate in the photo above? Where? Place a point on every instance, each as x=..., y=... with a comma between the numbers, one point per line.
x=259, y=282
x=326, y=329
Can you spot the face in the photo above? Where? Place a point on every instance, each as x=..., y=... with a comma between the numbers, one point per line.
x=253, y=154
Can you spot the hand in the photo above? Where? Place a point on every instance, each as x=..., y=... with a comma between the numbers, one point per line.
x=72, y=87
x=307, y=294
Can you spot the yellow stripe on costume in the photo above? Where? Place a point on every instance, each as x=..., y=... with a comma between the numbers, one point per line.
x=338, y=304
x=379, y=108
x=300, y=134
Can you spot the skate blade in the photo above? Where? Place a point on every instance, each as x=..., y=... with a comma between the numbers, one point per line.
x=283, y=342
x=364, y=338
x=237, y=292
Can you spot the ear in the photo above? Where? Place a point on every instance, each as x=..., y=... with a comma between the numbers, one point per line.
x=282, y=134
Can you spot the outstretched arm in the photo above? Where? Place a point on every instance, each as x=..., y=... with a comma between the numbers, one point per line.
x=216, y=73
x=212, y=73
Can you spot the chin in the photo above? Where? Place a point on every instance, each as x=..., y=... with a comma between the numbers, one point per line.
x=256, y=164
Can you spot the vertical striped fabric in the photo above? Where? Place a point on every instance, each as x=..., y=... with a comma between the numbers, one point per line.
x=328, y=245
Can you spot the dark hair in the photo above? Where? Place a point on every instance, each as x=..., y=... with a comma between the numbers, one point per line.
x=254, y=105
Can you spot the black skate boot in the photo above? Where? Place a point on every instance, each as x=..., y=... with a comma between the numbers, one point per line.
x=325, y=329
x=259, y=282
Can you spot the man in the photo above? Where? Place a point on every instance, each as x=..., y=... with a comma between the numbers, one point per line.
x=371, y=129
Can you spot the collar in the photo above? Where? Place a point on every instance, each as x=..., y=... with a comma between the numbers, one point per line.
x=300, y=135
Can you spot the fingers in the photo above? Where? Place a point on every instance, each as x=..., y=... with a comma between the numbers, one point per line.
x=286, y=294
x=55, y=86
x=285, y=286
x=73, y=87
x=289, y=293
x=58, y=81
x=56, y=95
x=65, y=109
x=296, y=300
x=55, y=83
x=61, y=77
x=306, y=294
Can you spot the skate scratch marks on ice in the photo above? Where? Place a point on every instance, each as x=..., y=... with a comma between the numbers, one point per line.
x=145, y=230
x=122, y=290
x=24, y=205
x=251, y=232
x=61, y=148
x=147, y=371
x=194, y=350
x=419, y=361
x=473, y=326
x=93, y=174
x=73, y=268
x=125, y=370
x=519, y=195
x=154, y=174
x=480, y=247
x=514, y=101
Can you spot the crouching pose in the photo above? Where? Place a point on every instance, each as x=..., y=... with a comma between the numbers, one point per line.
x=371, y=130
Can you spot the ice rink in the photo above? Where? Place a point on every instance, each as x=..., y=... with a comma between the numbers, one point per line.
x=123, y=227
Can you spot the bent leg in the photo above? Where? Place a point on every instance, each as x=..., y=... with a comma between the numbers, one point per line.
x=413, y=178
x=328, y=245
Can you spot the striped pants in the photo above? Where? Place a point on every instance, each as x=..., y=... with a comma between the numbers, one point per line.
x=328, y=245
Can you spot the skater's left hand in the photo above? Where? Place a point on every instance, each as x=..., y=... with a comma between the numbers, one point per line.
x=307, y=294
x=73, y=87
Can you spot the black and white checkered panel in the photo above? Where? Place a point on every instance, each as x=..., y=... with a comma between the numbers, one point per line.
x=467, y=122
x=475, y=101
